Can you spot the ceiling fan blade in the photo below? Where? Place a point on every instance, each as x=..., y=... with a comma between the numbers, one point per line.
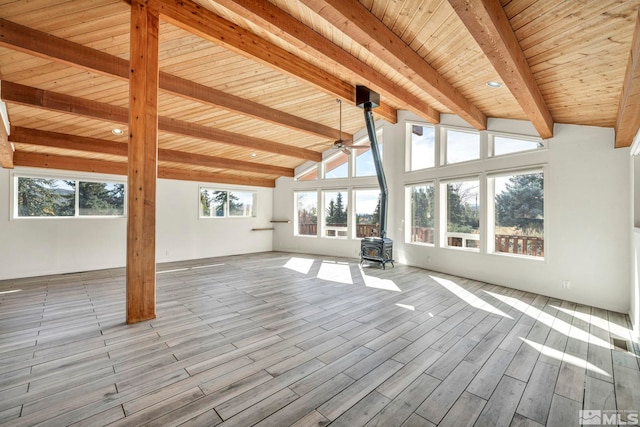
x=345, y=150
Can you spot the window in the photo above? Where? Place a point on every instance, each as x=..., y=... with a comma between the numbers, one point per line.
x=367, y=209
x=309, y=175
x=364, y=157
x=461, y=146
x=518, y=213
x=57, y=197
x=335, y=214
x=225, y=203
x=337, y=166
x=500, y=145
x=462, y=207
x=307, y=213
x=422, y=153
x=422, y=214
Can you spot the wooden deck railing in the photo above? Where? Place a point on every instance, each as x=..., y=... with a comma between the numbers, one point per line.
x=523, y=245
x=422, y=235
x=362, y=230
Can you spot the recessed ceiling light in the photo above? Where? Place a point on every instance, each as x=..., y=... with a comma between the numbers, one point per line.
x=117, y=131
x=254, y=155
x=494, y=85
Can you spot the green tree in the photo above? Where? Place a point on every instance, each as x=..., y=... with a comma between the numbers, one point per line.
x=423, y=206
x=341, y=211
x=205, y=202
x=100, y=198
x=521, y=205
x=331, y=213
x=42, y=197
x=456, y=212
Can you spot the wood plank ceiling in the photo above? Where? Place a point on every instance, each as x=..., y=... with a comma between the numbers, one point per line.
x=248, y=88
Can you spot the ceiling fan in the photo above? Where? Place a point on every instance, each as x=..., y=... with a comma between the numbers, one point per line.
x=341, y=144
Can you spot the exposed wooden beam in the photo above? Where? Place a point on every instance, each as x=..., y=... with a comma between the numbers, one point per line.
x=49, y=161
x=280, y=23
x=188, y=175
x=193, y=18
x=6, y=151
x=489, y=26
x=93, y=145
x=26, y=95
x=628, y=120
x=222, y=163
x=142, y=170
x=355, y=20
x=217, y=98
x=66, y=141
x=38, y=43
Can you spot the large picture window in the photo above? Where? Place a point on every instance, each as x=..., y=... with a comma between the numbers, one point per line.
x=216, y=203
x=306, y=213
x=59, y=197
x=422, y=214
x=335, y=214
x=518, y=213
x=462, y=207
x=367, y=209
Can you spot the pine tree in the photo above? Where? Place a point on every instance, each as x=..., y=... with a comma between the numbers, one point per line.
x=41, y=197
x=341, y=211
x=521, y=205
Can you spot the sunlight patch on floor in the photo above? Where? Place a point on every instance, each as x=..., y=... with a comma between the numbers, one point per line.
x=13, y=291
x=468, y=297
x=378, y=283
x=408, y=307
x=301, y=265
x=565, y=357
x=335, y=272
x=552, y=321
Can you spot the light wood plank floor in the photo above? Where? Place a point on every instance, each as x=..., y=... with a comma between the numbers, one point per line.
x=277, y=339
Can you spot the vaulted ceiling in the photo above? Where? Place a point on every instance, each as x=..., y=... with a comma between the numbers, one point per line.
x=248, y=88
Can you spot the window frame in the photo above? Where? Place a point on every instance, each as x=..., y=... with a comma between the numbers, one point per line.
x=77, y=178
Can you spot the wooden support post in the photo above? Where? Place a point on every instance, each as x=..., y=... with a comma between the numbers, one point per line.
x=143, y=163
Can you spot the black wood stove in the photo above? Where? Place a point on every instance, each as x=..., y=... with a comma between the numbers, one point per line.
x=375, y=249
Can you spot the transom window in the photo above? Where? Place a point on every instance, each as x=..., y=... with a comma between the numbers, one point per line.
x=461, y=146
x=422, y=147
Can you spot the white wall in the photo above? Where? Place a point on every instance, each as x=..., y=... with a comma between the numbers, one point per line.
x=35, y=246
x=587, y=216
